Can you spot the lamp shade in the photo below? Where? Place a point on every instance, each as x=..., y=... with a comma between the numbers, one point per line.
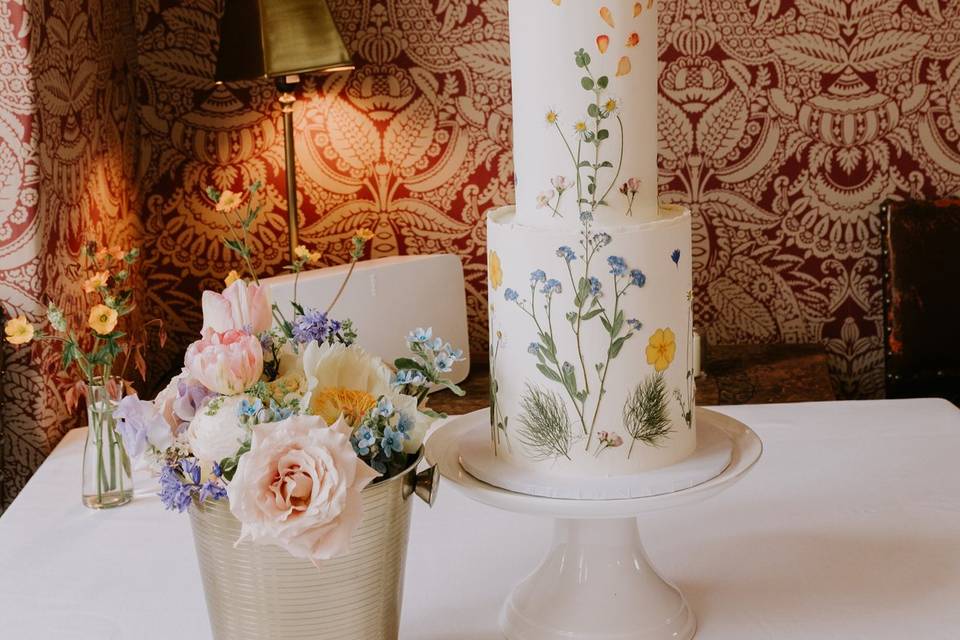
x=271, y=38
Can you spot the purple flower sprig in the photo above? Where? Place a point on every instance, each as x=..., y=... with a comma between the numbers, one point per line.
x=181, y=483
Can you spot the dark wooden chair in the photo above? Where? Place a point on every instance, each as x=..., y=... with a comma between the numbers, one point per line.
x=921, y=301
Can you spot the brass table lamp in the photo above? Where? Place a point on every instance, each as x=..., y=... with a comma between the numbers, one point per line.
x=280, y=39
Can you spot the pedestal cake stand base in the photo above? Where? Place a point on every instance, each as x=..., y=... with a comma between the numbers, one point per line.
x=596, y=582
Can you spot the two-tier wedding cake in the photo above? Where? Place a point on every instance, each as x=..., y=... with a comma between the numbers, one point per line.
x=590, y=279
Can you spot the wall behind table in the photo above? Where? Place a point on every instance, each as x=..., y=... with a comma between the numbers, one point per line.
x=67, y=141
x=784, y=126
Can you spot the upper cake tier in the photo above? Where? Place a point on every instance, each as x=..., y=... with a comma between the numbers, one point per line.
x=584, y=111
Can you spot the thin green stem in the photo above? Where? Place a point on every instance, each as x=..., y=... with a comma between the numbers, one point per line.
x=343, y=285
x=619, y=165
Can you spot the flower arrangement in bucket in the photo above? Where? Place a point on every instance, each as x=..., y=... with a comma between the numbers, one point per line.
x=98, y=347
x=294, y=451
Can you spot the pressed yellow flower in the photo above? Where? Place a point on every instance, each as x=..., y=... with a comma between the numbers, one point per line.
x=610, y=106
x=496, y=271
x=102, y=319
x=552, y=117
x=18, y=330
x=96, y=281
x=232, y=277
x=365, y=234
x=229, y=201
x=661, y=349
x=580, y=126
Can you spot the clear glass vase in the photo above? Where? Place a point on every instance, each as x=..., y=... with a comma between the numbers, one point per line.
x=107, y=481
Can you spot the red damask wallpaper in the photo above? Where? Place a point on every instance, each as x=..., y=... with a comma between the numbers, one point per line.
x=783, y=125
x=67, y=141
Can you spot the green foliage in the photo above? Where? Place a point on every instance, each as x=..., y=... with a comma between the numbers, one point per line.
x=645, y=414
x=545, y=429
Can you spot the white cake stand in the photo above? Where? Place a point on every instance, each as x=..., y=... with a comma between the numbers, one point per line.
x=596, y=582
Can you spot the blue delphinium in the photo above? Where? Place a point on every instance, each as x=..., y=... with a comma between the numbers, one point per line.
x=551, y=287
x=675, y=256
x=595, y=286
x=637, y=278
x=566, y=253
x=618, y=266
x=538, y=276
x=391, y=442
x=420, y=335
x=385, y=407
x=363, y=439
x=510, y=295
x=409, y=376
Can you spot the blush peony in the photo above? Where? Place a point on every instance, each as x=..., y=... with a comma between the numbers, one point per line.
x=227, y=362
x=241, y=306
x=300, y=486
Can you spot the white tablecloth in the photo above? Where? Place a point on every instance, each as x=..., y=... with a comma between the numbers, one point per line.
x=848, y=528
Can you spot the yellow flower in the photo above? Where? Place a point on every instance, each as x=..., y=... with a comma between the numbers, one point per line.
x=661, y=349
x=496, y=271
x=18, y=330
x=610, y=106
x=580, y=126
x=365, y=234
x=102, y=319
x=229, y=201
x=96, y=281
x=552, y=117
x=232, y=277
x=302, y=253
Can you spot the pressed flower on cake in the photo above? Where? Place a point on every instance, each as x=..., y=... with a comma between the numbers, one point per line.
x=661, y=349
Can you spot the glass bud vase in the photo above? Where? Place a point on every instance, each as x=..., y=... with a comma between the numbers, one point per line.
x=107, y=481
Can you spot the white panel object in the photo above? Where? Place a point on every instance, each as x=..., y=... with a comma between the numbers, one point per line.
x=386, y=299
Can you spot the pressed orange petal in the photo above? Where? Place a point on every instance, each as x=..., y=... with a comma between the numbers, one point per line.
x=607, y=16
x=650, y=4
x=623, y=67
x=556, y=2
x=637, y=9
x=602, y=43
x=633, y=40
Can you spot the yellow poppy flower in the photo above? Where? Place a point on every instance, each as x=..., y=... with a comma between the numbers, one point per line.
x=102, y=319
x=302, y=253
x=232, y=277
x=18, y=330
x=661, y=349
x=496, y=271
x=229, y=201
x=96, y=281
x=365, y=234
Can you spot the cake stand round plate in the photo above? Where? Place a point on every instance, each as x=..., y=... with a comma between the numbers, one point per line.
x=708, y=460
x=596, y=582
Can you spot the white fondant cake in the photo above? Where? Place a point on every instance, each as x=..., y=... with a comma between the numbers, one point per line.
x=590, y=281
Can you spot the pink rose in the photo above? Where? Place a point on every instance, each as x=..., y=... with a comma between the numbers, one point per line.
x=227, y=362
x=241, y=306
x=299, y=487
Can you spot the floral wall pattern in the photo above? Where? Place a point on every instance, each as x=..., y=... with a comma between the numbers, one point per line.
x=67, y=141
x=784, y=125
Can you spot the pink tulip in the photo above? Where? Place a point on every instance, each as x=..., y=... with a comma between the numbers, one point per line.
x=241, y=306
x=227, y=362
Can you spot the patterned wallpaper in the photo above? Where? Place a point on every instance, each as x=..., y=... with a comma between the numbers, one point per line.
x=783, y=125
x=67, y=141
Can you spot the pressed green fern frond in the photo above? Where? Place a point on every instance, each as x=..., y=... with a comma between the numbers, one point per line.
x=645, y=414
x=545, y=429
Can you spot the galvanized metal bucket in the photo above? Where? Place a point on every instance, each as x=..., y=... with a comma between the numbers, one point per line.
x=258, y=592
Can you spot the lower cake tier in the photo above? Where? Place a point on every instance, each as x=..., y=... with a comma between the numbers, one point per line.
x=591, y=351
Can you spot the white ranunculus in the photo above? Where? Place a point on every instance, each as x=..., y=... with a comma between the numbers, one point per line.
x=215, y=432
